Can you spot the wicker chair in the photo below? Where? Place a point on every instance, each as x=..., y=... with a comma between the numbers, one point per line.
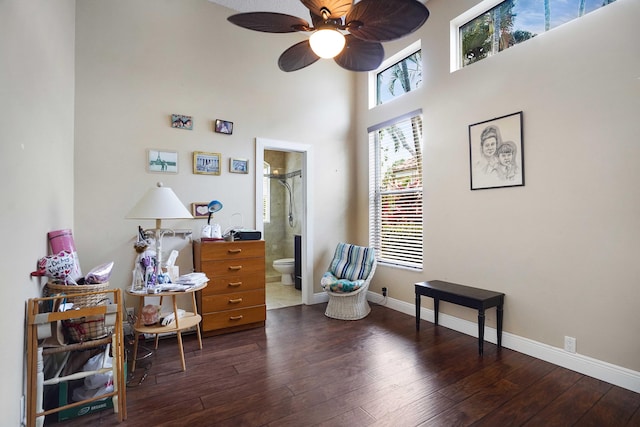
x=351, y=266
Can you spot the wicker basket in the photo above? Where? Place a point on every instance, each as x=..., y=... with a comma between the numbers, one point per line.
x=52, y=289
x=83, y=328
x=86, y=328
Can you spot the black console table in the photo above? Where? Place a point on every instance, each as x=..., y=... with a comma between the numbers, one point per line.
x=467, y=296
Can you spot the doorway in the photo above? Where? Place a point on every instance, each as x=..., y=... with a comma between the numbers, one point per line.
x=304, y=153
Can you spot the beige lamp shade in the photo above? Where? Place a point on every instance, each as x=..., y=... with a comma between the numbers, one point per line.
x=159, y=203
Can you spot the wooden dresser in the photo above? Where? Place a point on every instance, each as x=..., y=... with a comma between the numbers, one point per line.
x=234, y=299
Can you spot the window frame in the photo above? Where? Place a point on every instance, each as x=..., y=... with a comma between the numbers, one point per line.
x=455, y=48
x=386, y=64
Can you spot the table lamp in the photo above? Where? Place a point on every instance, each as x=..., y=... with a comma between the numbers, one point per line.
x=159, y=203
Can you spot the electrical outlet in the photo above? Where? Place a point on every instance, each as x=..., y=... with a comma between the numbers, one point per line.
x=384, y=292
x=570, y=344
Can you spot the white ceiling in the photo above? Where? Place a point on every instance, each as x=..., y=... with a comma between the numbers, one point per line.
x=290, y=7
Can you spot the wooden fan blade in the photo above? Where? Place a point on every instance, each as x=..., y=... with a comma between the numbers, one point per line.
x=316, y=20
x=269, y=22
x=360, y=55
x=297, y=57
x=336, y=8
x=385, y=20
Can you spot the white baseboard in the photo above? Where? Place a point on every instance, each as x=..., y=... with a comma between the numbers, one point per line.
x=613, y=374
x=319, y=298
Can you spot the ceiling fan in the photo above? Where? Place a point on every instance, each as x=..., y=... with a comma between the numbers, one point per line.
x=349, y=33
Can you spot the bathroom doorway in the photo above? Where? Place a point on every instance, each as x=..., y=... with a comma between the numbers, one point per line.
x=282, y=215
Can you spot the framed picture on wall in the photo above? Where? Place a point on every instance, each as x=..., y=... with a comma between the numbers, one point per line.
x=200, y=209
x=162, y=161
x=223, y=126
x=206, y=163
x=496, y=152
x=179, y=121
x=238, y=165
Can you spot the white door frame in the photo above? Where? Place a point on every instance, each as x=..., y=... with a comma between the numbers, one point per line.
x=307, y=208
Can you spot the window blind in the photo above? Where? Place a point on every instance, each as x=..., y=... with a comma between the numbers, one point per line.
x=395, y=191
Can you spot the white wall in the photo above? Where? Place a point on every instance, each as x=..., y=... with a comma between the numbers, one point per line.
x=563, y=248
x=139, y=62
x=36, y=177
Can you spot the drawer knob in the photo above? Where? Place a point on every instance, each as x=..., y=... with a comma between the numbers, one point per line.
x=235, y=267
x=235, y=284
x=235, y=317
x=234, y=251
x=235, y=301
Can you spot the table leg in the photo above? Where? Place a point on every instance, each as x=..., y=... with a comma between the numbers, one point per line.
x=136, y=337
x=499, y=321
x=417, y=311
x=480, y=331
x=436, y=306
x=195, y=311
x=184, y=366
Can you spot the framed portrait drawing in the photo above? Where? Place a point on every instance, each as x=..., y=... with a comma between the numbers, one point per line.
x=496, y=152
x=223, y=126
x=206, y=163
x=162, y=161
x=200, y=209
x=238, y=165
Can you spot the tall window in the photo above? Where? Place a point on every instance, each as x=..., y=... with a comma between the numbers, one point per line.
x=494, y=26
x=395, y=191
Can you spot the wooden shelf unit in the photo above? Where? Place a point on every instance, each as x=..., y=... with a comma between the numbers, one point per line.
x=235, y=298
x=39, y=326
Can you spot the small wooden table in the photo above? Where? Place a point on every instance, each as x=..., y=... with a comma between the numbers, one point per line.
x=189, y=320
x=466, y=296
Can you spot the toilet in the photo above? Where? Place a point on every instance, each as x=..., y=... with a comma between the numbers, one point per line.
x=285, y=267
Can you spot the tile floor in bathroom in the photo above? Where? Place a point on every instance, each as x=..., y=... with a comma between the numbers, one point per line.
x=279, y=295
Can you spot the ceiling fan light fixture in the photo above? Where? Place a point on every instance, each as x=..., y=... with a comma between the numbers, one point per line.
x=327, y=43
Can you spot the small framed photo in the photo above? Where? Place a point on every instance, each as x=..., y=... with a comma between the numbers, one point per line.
x=162, y=161
x=200, y=209
x=238, y=165
x=206, y=163
x=223, y=126
x=496, y=152
x=179, y=121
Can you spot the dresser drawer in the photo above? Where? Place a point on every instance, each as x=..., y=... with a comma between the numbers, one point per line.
x=238, y=267
x=232, y=301
x=234, y=283
x=234, y=298
x=226, y=250
x=231, y=318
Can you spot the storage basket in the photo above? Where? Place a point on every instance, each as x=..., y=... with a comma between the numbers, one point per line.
x=52, y=289
x=86, y=328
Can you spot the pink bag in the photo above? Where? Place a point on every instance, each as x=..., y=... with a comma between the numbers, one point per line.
x=62, y=240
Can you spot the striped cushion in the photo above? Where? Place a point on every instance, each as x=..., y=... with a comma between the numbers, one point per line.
x=352, y=262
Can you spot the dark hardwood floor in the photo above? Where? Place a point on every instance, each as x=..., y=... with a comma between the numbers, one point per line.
x=304, y=369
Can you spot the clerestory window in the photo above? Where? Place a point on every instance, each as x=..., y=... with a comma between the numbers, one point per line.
x=493, y=26
x=400, y=74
